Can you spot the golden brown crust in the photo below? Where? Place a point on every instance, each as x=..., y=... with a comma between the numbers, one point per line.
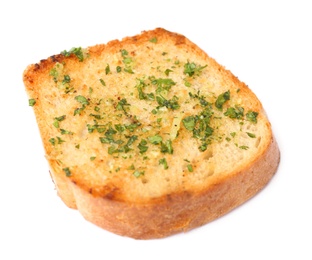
x=164, y=202
x=171, y=214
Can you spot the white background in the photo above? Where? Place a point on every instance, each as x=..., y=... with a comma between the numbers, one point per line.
x=267, y=44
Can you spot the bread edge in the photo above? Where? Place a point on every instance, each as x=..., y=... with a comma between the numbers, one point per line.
x=173, y=213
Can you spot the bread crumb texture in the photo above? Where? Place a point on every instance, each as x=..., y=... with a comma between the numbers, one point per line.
x=143, y=125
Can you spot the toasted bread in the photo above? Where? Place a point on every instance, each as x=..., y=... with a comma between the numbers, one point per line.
x=149, y=136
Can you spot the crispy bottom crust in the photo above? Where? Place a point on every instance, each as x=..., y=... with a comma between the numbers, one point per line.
x=173, y=213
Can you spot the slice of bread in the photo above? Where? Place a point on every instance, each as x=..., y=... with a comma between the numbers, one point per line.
x=149, y=136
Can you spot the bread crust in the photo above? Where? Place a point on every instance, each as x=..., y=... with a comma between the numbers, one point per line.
x=178, y=210
x=170, y=214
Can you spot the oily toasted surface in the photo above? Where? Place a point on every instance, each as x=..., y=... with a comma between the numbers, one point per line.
x=149, y=136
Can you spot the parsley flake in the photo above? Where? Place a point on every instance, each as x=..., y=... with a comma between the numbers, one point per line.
x=82, y=100
x=191, y=69
x=67, y=172
x=222, y=98
x=77, y=51
x=163, y=161
x=153, y=40
x=138, y=173
x=31, y=102
x=252, y=116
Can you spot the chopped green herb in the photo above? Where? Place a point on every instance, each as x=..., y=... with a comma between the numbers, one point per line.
x=56, y=124
x=57, y=120
x=66, y=132
x=79, y=110
x=107, y=69
x=233, y=134
x=203, y=147
x=244, y=147
x=119, y=149
x=96, y=116
x=191, y=68
x=190, y=167
x=252, y=116
x=187, y=83
x=77, y=51
x=92, y=158
x=68, y=89
x=96, y=126
x=120, y=128
x=60, y=118
x=222, y=98
x=82, y=100
x=189, y=122
x=202, y=101
x=142, y=95
x=106, y=140
x=170, y=104
x=163, y=161
x=52, y=141
x=143, y=146
x=156, y=139
x=167, y=71
x=138, y=173
x=127, y=61
x=131, y=167
x=251, y=135
x=132, y=127
x=237, y=112
x=124, y=52
x=200, y=126
x=163, y=85
x=66, y=79
x=129, y=70
x=54, y=73
x=110, y=132
x=56, y=140
x=31, y=102
x=122, y=104
x=131, y=140
x=147, y=96
x=103, y=82
x=59, y=140
x=166, y=147
x=153, y=40
x=67, y=172
x=112, y=149
x=118, y=69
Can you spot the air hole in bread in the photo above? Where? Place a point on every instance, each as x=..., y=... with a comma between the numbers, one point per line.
x=208, y=154
x=210, y=172
x=258, y=142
